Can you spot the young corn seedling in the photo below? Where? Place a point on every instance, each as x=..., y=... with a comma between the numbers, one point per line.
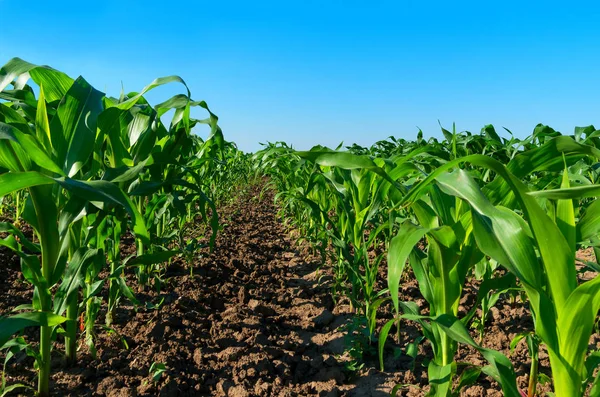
x=489, y=293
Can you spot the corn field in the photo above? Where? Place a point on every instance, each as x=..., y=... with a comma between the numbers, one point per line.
x=465, y=266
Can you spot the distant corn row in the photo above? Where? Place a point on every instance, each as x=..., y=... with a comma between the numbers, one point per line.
x=84, y=170
x=511, y=213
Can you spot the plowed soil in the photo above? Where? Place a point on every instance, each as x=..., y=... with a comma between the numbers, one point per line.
x=257, y=318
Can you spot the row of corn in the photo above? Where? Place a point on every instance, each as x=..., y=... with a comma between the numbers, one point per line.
x=507, y=215
x=85, y=171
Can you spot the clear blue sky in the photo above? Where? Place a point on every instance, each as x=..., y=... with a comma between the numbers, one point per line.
x=311, y=72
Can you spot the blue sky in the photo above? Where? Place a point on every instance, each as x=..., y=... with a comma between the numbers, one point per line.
x=321, y=72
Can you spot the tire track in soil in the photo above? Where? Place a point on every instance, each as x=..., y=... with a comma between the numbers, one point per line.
x=256, y=319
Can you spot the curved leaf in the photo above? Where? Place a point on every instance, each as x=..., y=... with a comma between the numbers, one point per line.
x=13, y=324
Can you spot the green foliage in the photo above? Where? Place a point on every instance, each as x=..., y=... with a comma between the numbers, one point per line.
x=157, y=370
x=85, y=170
x=511, y=212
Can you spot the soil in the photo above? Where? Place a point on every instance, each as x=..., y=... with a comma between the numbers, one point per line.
x=256, y=318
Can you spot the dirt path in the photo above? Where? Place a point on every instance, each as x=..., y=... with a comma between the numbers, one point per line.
x=257, y=318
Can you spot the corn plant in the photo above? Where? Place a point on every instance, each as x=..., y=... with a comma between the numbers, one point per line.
x=490, y=291
x=564, y=312
x=440, y=271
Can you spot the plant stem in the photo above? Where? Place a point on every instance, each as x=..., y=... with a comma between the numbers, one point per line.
x=446, y=346
x=71, y=328
x=18, y=208
x=142, y=270
x=89, y=325
x=533, y=376
x=44, y=365
x=140, y=244
x=48, y=236
x=113, y=290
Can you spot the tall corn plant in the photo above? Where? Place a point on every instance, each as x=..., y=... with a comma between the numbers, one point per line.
x=564, y=310
x=440, y=271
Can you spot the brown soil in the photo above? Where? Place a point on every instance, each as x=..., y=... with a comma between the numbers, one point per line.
x=257, y=318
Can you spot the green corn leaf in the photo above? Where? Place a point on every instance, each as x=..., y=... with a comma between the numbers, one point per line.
x=72, y=278
x=10, y=388
x=595, y=389
x=417, y=263
x=103, y=191
x=468, y=377
x=515, y=253
x=568, y=193
x=112, y=123
x=13, y=69
x=13, y=324
x=344, y=160
x=400, y=248
x=11, y=243
x=499, y=234
x=127, y=292
x=589, y=224
x=31, y=146
x=575, y=328
x=56, y=84
x=14, y=181
x=124, y=173
x=557, y=257
x=6, y=227
x=73, y=129
x=500, y=284
x=385, y=330
x=440, y=378
x=94, y=289
x=42, y=126
x=565, y=216
x=156, y=83
x=548, y=157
